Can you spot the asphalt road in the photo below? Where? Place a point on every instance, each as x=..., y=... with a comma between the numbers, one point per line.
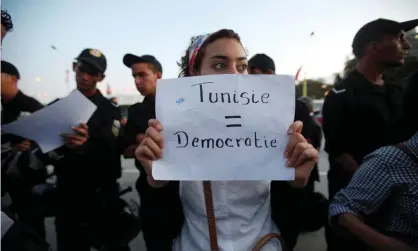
x=308, y=242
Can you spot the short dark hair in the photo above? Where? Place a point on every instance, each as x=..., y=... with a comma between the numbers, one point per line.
x=9, y=69
x=184, y=61
x=262, y=62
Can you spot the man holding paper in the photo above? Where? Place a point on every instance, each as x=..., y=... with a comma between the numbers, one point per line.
x=93, y=167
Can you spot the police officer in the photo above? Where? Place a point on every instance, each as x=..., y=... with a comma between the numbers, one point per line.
x=87, y=175
x=360, y=114
x=146, y=70
x=286, y=200
x=6, y=24
x=14, y=102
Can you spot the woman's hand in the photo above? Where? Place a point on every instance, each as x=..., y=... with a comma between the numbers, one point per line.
x=150, y=149
x=300, y=154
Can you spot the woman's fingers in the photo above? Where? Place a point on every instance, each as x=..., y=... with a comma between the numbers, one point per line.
x=294, y=139
x=300, y=147
x=154, y=123
x=308, y=155
x=155, y=135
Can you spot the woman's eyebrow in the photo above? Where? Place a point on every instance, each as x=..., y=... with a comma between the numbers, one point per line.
x=226, y=58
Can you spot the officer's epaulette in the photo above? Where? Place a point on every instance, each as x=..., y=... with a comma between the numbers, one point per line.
x=337, y=90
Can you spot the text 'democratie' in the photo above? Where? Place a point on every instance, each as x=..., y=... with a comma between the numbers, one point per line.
x=225, y=127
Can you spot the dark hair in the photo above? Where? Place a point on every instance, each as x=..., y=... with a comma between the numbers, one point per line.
x=184, y=61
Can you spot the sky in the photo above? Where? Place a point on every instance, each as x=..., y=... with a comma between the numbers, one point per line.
x=163, y=28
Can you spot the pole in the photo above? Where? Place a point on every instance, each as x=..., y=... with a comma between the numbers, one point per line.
x=305, y=81
x=305, y=87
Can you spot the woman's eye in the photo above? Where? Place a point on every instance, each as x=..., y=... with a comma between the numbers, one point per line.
x=242, y=68
x=219, y=66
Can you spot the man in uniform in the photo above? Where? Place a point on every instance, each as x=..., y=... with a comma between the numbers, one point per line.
x=146, y=70
x=87, y=175
x=286, y=200
x=14, y=102
x=361, y=113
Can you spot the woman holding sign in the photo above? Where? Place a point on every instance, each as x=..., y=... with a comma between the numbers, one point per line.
x=222, y=215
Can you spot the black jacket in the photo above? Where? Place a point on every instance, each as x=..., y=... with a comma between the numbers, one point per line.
x=96, y=164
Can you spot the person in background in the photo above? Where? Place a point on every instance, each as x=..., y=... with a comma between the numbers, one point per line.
x=18, y=187
x=146, y=70
x=364, y=98
x=220, y=52
x=379, y=205
x=6, y=24
x=287, y=201
x=87, y=173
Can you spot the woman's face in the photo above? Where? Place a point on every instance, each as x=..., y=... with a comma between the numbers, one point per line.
x=224, y=56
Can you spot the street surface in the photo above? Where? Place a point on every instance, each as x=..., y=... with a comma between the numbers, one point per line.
x=308, y=242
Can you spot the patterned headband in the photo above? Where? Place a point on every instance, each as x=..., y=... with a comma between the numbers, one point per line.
x=194, y=49
x=6, y=20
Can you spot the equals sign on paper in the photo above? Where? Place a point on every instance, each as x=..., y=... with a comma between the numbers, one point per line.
x=233, y=117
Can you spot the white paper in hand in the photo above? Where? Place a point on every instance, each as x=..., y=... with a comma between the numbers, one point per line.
x=45, y=126
x=225, y=127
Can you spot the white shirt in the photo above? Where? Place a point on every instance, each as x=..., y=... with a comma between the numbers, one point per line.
x=242, y=213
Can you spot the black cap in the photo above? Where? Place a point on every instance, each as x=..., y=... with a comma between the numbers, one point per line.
x=93, y=57
x=374, y=30
x=262, y=62
x=10, y=69
x=130, y=59
x=6, y=20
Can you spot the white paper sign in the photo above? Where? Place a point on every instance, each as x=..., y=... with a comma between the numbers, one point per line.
x=225, y=127
x=46, y=126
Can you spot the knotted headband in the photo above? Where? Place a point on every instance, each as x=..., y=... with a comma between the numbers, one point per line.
x=194, y=50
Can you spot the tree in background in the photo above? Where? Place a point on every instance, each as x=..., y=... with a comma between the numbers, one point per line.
x=317, y=88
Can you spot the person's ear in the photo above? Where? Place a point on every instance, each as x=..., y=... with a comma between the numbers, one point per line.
x=159, y=75
x=14, y=80
x=101, y=77
x=270, y=72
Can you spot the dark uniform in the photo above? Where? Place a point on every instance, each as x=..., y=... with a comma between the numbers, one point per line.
x=19, y=187
x=358, y=118
x=138, y=116
x=287, y=202
x=82, y=172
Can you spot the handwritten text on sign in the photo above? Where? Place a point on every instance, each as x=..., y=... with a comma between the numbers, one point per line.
x=225, y=127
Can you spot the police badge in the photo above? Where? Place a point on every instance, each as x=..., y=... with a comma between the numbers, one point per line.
x=116, y=127
x=95, y=53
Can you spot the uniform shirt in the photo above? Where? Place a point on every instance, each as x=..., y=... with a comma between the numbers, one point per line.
x=358, y=118
x=384, y=191
x=21, y=103
x=242, y=215
x=96, y=164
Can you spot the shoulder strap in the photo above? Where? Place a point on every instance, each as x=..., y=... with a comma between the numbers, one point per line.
x=407, y=151
x=210, y=213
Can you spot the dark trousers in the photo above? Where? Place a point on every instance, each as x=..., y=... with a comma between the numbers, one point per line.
x=24, y=208
x=72, y=234
x=151, y=231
